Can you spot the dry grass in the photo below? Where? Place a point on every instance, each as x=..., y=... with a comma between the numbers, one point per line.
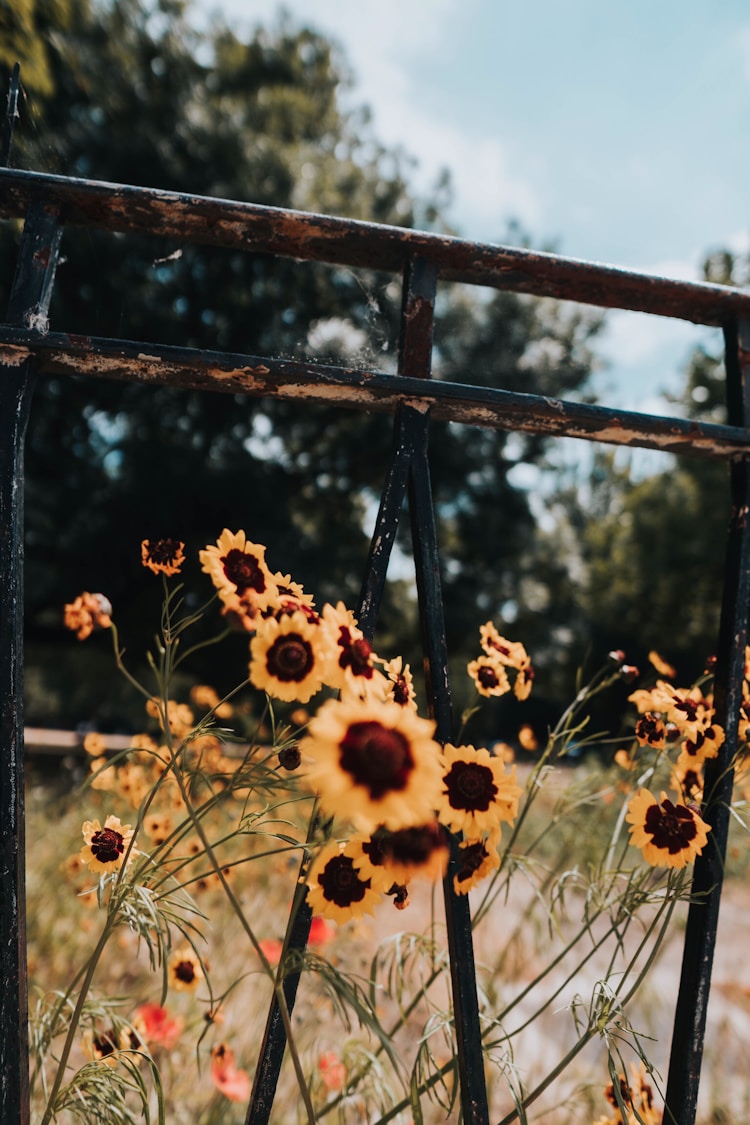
x=515, y=939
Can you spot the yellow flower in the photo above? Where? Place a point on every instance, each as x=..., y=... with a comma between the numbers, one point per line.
x=102, y=1046
x=369, y=859
x=207, y=698
x=510, y=653
x=105, y=848
x=238, y=569
x=337, y=890
x=94, y=744
x=185, y=971
x=86, y=613
x=289, y=657
x=478, y=794
x=668, y=835
x=163, y=556
x=489, y=676
x=352, y=655
x=421, y=851
x=477, y=858
x=373, y=763
x=400, y=684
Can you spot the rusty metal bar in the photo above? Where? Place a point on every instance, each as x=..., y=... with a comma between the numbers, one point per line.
x=311, y=237
x=290, y=380
x=28, y=304
x=703, y=915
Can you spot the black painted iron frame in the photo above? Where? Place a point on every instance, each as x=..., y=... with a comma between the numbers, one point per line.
x=28, y=349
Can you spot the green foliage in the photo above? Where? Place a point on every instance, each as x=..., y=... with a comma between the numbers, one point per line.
x=142, y=96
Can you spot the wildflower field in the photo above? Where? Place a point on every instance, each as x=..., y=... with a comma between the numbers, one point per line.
x=163, y=888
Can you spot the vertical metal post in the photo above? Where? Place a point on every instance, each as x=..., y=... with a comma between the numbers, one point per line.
x=415, y=359
x=29, y=304
x=703, y=915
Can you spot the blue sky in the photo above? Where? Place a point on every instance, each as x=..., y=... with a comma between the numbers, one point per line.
x=613, y=131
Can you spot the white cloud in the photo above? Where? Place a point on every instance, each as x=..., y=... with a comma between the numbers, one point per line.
x=385, y=63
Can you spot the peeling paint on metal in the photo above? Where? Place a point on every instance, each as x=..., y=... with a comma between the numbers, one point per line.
x=13, y=357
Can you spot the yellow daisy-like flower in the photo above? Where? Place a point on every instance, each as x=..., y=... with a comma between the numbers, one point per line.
x=102, y=1046
x=400, y=686
x=705, y=742
x=291, y=594
x=87, y=613
x=185, y=971
x=95, y=744
x=657, y=699
x=375, y=763
x=489, y=676
x=368, y=856
x=352, y=662
x=105, y=848
x=419, y=852
x=337, y=889
x=668, y=835
x=290, y=657
x=511, y=653
x=476, y=860
x=207, y=699
x=651, y=730
x=163, y=556
x=158, y=826
x=478, y=794
x=239, y=571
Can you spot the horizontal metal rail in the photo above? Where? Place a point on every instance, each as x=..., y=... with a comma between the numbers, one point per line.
x=311, y=237
x=57, y=353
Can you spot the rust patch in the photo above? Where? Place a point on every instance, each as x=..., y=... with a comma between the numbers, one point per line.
x=11, y=356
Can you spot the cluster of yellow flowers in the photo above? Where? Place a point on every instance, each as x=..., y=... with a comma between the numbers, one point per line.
x=673, y=721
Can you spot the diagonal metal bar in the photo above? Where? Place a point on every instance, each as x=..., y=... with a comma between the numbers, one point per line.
x=458, y=917
x=28, y=304
x=11, y=115
x=273, y=1045
x=703, y=915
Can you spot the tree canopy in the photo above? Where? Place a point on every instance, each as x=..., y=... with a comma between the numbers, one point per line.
x=133, y=91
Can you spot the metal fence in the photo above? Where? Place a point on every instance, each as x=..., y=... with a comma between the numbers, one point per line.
x=28, y=349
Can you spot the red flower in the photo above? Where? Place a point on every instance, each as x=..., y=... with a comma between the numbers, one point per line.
x=156, y=1027
x=229, y=1079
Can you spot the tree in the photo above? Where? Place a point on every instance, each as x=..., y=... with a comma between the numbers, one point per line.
x=141, y=96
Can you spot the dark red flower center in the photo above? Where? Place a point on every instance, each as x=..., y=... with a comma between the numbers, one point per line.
x=244, y=570
x=163, y=551
x=488, y=676
x=107, y=845
x=377, y=757
x=290, y=657
x=472, y=858
x=341, y=881
x=355, y=654
x=373, y=849
x=650, y=729
x=413, y=845
x=105, y=1044
x=401, y=691
x=670, y=826
x=470, y=786
x=185, y=971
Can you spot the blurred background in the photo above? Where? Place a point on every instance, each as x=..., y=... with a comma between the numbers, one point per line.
x=608, y=133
